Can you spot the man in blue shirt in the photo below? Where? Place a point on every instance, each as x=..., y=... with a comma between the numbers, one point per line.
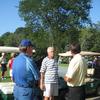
x=25, y=73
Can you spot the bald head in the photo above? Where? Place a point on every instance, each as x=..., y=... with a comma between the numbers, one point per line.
x=50, y=51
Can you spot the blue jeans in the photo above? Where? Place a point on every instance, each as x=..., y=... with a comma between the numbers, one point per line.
x=21, y=93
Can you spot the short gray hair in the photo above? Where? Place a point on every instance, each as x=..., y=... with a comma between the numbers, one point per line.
x=50, y=48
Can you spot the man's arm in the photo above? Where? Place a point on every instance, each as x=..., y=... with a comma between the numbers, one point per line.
x=72, y=69
x=31, y=66
x=42, y=81
x=42, y=78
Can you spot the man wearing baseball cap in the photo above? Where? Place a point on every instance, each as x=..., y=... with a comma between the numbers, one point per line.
x=25, y=73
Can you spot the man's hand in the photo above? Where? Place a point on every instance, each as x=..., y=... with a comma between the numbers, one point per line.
x=42, y=86
x=67, y=79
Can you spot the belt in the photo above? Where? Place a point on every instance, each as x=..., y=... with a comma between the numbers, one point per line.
x=26, y=86
x=76, y=86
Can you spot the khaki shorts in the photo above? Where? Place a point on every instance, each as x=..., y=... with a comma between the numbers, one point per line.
x=51, y=90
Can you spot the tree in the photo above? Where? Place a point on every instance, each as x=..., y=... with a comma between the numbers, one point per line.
x=87, y=39
x=51, y=23
x=90, y=38
x=58, y=17
x=96, y=46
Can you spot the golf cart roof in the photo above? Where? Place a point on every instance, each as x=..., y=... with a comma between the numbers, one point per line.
x=6, y=49
x=83, y=53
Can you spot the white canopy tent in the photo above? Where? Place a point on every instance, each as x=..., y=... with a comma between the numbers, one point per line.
x=6, y=49
x=83, y=53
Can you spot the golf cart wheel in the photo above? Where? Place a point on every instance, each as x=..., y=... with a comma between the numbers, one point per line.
x=98, y=90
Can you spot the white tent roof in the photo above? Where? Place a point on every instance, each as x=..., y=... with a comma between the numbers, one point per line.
x=83, y=53
x=10, y=49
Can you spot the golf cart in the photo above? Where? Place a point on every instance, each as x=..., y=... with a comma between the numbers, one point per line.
x=92, y=79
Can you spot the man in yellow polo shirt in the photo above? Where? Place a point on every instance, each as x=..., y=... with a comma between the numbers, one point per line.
x=76, y=73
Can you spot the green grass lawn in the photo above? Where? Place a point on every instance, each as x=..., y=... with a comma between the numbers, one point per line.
x=63, y=65
x=6, y=75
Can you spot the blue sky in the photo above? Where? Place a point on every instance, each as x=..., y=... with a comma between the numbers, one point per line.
x=95, y=11
x=10, y=20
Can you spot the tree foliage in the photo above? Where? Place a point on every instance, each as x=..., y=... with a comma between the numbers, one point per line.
x=55, y=23
x=90, y=38
x=58, y=17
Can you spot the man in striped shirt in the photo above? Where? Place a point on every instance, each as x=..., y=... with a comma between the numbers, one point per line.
x=49, y=75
